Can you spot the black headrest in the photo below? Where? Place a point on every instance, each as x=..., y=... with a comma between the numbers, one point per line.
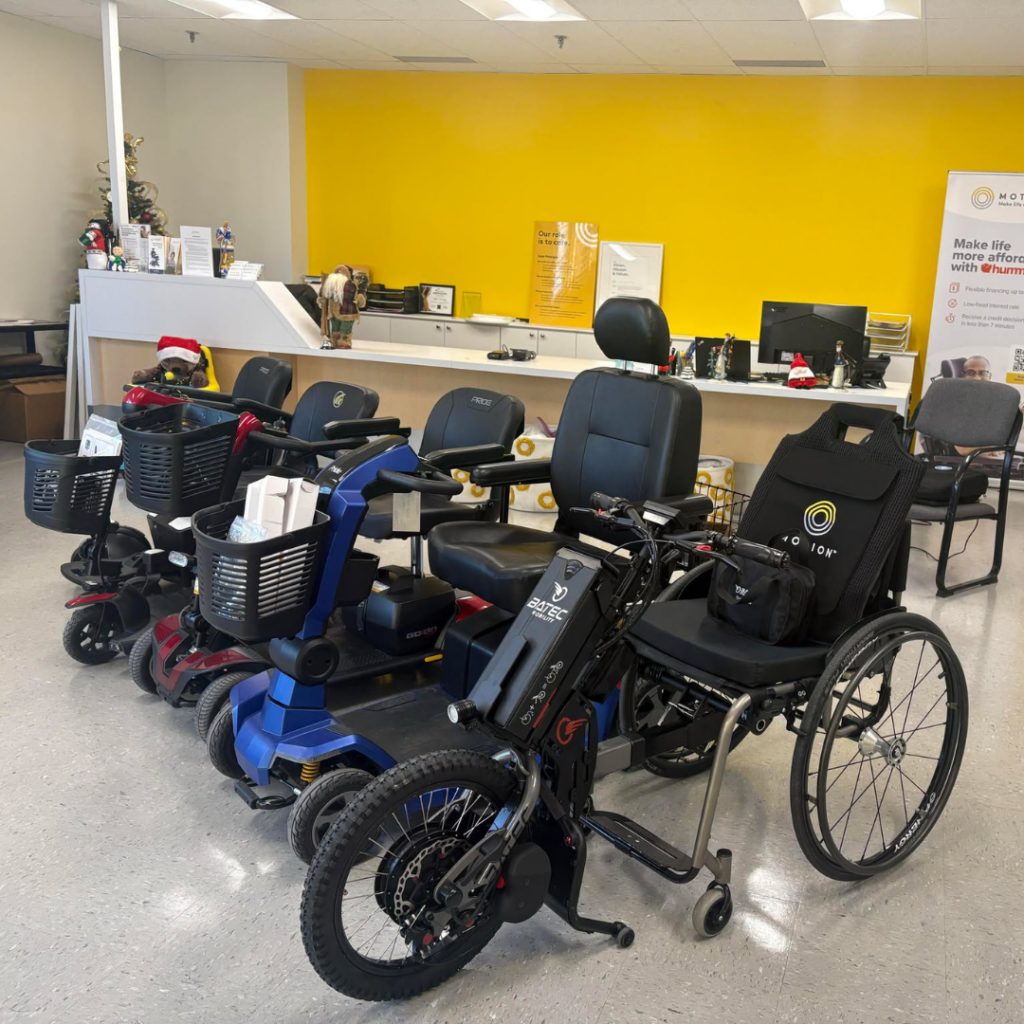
x=635, y=329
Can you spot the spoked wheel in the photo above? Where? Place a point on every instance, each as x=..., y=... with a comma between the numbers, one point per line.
x=89, y=633
x=870, y=782
x=648, y=704
x=319, y=806
x=370, y=921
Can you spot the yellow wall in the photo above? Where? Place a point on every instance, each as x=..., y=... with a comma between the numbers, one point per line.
x=820, y=189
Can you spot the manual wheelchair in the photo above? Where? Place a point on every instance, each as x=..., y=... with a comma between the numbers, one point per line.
x=436, y=854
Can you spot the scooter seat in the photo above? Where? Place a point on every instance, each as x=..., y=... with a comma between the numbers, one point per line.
x=685, y=632
x=434, y=510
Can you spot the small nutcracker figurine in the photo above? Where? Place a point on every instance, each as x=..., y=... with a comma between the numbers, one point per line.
x=226, y=241
x=342, y=296
x=94, y=241
x=117, y=260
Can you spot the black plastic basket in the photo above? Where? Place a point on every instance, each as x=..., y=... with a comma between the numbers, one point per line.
x=260, y=590
x=68, y=492
x=177, y=458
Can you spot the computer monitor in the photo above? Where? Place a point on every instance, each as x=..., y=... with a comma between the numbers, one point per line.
x=812, y=329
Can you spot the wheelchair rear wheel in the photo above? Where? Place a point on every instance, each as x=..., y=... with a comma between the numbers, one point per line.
x=885, y=729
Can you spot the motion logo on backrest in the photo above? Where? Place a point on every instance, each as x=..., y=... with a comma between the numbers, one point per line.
x=819, y=519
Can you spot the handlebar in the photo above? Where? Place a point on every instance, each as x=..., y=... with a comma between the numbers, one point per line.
x=720, y=544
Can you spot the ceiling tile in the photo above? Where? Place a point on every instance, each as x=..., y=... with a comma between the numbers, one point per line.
x=534, y=69
x=426, y=10
x=871, y=43
x=699, y=69
x=973, y=8
x=82, y=26
x=485, y=41
x=585, y=42
x=765, y=40
x=214, y=38
x=881, y=72
x=746, y=10
x=318, y=65
x=668, y=42
x=329, y=10
x=976, y=72
x=60, y=8
x=320, y=39
x=253, y=44
x=997, y=41
x=633, y=10
x=394, y=38
x=150, y=9
x=615, y=69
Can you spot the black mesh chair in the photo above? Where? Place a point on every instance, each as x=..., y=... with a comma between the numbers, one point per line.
x=969, y=431
x=626, y=433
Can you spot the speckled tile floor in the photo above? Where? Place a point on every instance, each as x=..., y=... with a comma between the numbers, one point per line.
x=136, y=888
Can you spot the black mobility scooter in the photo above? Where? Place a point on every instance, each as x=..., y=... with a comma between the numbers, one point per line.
x=425, y=865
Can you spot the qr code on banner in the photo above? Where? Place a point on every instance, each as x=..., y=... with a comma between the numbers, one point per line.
x=1018, y=360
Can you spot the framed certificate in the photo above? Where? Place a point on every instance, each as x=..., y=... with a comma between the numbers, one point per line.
x=629, y=268
x=438, y=299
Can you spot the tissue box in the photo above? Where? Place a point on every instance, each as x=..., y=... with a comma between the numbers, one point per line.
x=281, y=504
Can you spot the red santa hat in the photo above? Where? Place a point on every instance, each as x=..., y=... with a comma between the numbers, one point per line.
x=185, y=349
x=800, y=374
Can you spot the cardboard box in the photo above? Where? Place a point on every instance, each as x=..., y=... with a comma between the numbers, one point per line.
x=31, y=408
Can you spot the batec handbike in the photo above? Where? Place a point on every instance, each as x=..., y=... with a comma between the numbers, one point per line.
x=432, y=857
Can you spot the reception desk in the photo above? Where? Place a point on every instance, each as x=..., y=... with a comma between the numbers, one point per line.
x=122, y=316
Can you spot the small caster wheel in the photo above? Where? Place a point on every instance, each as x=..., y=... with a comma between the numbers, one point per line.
x=624, y=936
x=712, y=911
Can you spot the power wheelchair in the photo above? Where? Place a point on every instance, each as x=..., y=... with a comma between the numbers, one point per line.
x=433, y=856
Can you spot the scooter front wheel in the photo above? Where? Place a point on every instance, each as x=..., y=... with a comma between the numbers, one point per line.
x=370, y=922
x=220, y=744
x=88, y=635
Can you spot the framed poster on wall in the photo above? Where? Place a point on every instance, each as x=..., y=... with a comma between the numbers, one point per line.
x=564, y=273
x=629, y=268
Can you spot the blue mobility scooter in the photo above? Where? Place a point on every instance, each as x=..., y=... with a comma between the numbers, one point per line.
x=796, y=618
x=278, y=721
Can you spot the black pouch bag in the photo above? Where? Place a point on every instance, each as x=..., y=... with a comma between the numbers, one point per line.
x=770, y=605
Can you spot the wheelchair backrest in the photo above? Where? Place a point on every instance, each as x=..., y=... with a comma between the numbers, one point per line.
x=264, y=379
x=840, y=508
x=327, y=401
x=470, y=416
x=633, y=435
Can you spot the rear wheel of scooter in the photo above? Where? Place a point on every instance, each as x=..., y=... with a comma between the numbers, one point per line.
x=88, y=634
x=139, y=662
x=367, y=904
x=319, y=806
x=220, y=744
x=212, y=699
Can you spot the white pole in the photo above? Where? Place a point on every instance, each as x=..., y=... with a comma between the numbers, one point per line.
x=115, y=115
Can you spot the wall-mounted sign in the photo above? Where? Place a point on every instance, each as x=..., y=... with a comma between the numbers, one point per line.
x=564, y=273
x=630, y=269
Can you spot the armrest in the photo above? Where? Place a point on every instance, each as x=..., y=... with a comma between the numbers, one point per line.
x=402, y=483
x=969, y=458
x=293, y=444
x=263, y=411
x=200, y=393
x=362, y=428
x=502, y=474
x=693, y=507
x=464, y=458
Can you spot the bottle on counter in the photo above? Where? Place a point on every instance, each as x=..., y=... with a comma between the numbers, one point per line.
x=839, y=370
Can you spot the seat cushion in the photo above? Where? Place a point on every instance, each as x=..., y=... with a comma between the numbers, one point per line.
x=434, y=510
x=496, y=561
x=937, y=485
x=684, y=631
x=937, y=513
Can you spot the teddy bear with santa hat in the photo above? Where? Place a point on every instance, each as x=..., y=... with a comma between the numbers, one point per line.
x=180, y=361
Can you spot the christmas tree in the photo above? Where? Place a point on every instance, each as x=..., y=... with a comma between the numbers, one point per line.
x=142, y=195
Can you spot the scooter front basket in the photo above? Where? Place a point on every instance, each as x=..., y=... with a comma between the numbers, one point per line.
x=68, y=492
x=259, y=590
x=178, y=458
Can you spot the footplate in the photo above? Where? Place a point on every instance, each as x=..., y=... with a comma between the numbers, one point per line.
x=246, y=789
x=652, y=851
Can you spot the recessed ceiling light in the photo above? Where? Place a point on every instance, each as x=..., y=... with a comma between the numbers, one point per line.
x=525, y=10
x=243, y=10
x=861, y=10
